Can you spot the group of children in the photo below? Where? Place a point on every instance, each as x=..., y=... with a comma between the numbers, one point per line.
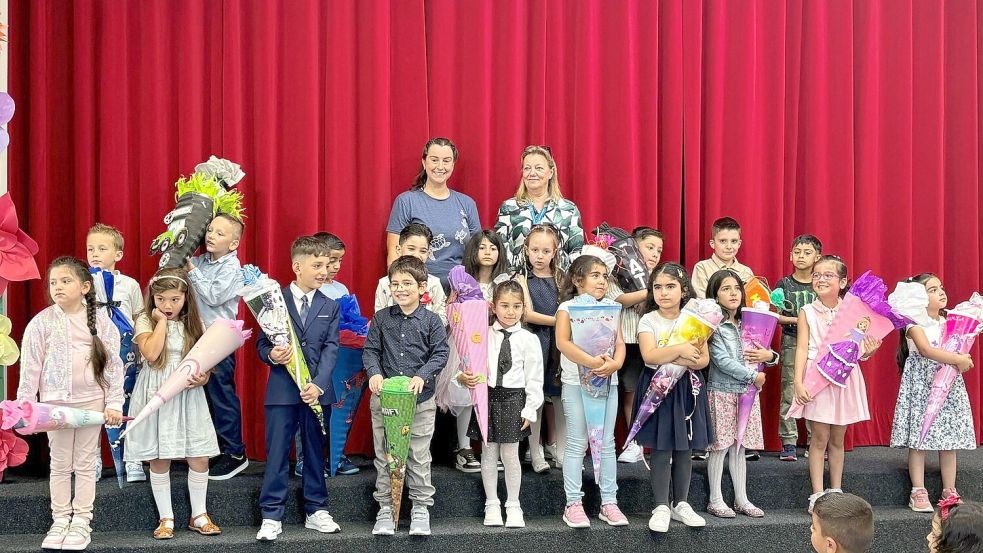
x=71, y=356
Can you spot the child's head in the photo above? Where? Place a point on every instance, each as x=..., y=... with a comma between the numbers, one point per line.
x=806, y=250
x=957, y=527
x=69, y=281
x=538, y=170
x=407, y=281
x=540, y=248
x=103, y=247
x=336, y=251
x=508, y=302
x=669, y=287
x=223, y=235
x=650, y=242
x=727, y=288
x=725, y=238
x=842, y=523
x=169, y=293
x=309, y=256
x=937, y=300
x=829, y=277
x=439, y=157
x=586, y=275
x=415, y=240
x=485, y=250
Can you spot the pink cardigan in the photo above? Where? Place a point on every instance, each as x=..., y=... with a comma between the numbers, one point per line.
x=46, y=359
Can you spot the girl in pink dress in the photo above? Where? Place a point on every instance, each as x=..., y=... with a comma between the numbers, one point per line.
x=834, y=407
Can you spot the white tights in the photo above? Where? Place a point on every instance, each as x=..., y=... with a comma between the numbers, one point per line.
x=489, y=472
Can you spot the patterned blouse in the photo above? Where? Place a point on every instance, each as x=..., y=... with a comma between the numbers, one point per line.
x=516, y=219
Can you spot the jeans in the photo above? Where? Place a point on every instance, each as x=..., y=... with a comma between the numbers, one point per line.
x=576, y=447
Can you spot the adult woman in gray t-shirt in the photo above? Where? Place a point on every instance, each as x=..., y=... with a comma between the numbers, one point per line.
x=451, y=216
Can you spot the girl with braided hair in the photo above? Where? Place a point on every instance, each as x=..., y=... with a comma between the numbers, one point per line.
x=71, y=358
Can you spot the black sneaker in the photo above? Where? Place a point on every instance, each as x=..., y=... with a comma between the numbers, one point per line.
x=227, y=467
x=699, y=455
x=346, y=466
x=751, y=455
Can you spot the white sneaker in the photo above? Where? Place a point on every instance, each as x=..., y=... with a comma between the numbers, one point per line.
x=135, y=472
x=322, y=522
x=269, y=530
x=56, y=534
x=527, y=458
x=632, y=454
x=493, y=515
x=78, y=536
x=513, y=517
x=660, y=519
x=685, y=514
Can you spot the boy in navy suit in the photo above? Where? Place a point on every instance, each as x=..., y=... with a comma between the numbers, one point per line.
x=315, y=319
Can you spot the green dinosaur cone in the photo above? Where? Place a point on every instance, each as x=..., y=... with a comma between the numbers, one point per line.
x=398, y=407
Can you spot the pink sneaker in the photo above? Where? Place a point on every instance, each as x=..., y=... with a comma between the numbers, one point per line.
x=612, y=515
x=575, y=517
x=918, y=501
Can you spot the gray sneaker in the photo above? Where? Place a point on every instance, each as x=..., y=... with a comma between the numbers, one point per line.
x=420, y=521
x=384, y=525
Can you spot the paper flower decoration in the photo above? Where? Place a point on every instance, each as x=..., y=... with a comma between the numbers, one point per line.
x=13, y=451
x=8, y=347
x=17, y=249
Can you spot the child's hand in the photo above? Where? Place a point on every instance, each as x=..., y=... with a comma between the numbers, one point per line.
x=468, y=379
x=607, y=368
x=802, y=396
x=375, y=384
x=870, y=346
x=199, y=380
x=965, y=362
x=281, y=355
x=416, y=385
x=690, y=351
x=113, y=417
x=759, y=355
x=189, y=266
x=452, y=297
x=525, y=424
x=157, y=315
x=310, y=393
x=759, y=380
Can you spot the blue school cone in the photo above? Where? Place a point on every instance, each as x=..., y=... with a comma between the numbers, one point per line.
x=349, y=382
x=112, y=432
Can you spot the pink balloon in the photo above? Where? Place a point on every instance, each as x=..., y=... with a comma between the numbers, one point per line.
x=6, y=108
x=4, y=140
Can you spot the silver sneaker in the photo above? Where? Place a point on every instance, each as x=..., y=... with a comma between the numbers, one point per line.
x=384, y=525
x=419, y=521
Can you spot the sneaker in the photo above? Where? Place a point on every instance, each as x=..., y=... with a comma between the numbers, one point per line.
x=788, y=453
x=227, y=467
x=685, y=514
x=611, y=514
x=540, y=466
x=918, y=501
x=513, y=517
x=632, y=454
x=98, y=467
x=549, y=451
x=419, y=521
x=493, y=515
x=56, y=534
x=813, y=498
x=659, y=522
x=575, y=517
x=466, y=461
x=346, y=467
x=751, y=455
x=78, y=536
x=135, y=472
x=384, y=525
x=322, y=522
x=269, y=530
x=699, y=455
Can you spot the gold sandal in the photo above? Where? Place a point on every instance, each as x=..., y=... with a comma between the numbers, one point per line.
x=163, y=532
x=207, y=529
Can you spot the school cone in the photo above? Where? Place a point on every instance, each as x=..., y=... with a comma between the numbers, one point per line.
x=398, y=407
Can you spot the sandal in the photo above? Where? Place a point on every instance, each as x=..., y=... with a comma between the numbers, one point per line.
x=207, y=529
x=163, y=532
x=721, y=510
x=750, y=510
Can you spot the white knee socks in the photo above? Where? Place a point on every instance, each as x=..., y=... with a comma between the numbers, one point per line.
x=489, y=473
x=197, y=490
x=160, y=484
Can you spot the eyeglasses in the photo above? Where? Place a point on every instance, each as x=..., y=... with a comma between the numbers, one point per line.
x=825, y=276
x=406, y=285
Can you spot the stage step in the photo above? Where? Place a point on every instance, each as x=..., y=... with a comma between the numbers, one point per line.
x=896, y=529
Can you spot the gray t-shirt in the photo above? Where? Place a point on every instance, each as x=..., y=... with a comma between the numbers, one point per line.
x=452, y=221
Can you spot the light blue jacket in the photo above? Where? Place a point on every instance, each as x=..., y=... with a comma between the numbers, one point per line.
x=728, y=372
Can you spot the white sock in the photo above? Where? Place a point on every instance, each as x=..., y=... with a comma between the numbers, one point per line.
x=160, y=484
x=463, y=420
x=738, y=474
x=715, y=471
x=513, y=472
x=489, y=473
x=197, y=490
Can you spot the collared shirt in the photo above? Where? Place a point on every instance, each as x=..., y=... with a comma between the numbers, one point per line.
x=299, y=296
x=527, y=365
x=217, y=284
x=705, y=269
x=408, y=345
x=126, y=291
x=435, y=300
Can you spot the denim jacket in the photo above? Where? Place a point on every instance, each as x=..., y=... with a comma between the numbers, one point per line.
x=728, y=372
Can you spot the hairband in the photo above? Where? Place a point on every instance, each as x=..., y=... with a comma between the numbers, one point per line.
x=162, y=277
x=948, y=503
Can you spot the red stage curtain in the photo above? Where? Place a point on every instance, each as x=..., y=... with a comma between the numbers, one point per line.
x=842, y=119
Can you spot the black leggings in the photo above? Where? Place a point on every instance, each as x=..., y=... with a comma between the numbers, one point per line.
x=680, y=470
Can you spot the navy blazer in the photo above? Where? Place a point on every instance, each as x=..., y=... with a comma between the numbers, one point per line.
x=319, y=342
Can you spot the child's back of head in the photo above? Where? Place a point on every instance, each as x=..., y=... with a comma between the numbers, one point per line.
x=957, y=529
x=842, y=519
